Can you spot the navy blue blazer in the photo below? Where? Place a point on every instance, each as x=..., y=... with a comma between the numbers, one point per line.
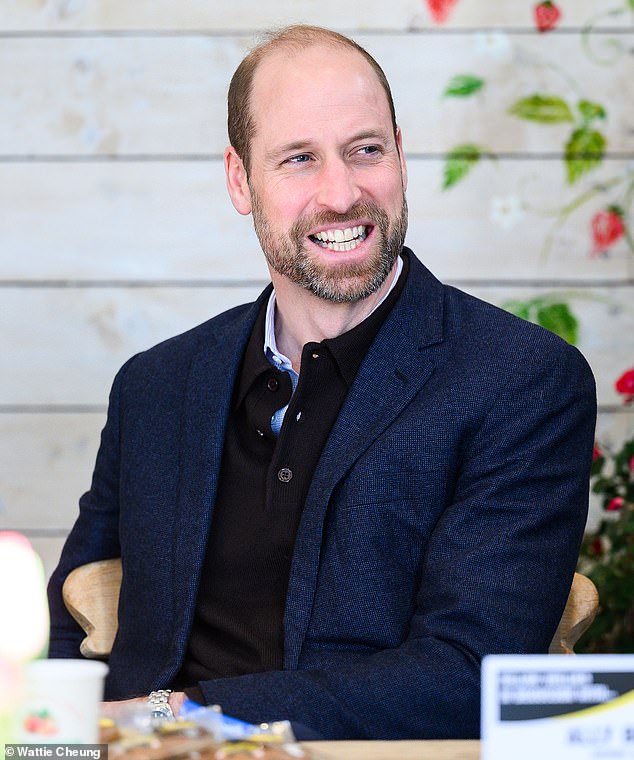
x=443, y=521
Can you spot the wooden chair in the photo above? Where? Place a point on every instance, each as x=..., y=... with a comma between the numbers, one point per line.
x=91, y=594
x=580, y=610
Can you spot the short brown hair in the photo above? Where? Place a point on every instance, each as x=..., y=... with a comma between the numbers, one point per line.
x=240, y=120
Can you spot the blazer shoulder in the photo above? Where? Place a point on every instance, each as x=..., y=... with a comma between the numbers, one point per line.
x=506, y=338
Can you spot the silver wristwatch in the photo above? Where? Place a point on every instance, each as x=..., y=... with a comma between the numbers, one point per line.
x=160, y=709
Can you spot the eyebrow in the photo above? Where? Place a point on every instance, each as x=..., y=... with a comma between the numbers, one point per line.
x=302, y=145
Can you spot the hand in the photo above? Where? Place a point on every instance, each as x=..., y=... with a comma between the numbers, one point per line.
x=176, y=699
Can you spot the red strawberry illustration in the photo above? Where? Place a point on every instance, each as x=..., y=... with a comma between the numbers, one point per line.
x=547, y=16
x=440, y=9
x=625, y=385
x=607, y=227
x=40, y=722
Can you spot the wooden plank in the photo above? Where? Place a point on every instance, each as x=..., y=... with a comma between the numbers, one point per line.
x=123, y=221
x=165, y=221
x=49, y=550
x=74, y=340
x=613, y=428
x=47, y=464
x=161, y=95
x=201, y=15
x=396, y=750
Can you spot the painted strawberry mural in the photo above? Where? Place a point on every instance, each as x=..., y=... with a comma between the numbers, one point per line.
x=625, y=385
x=547, y=15
x=607, y=228
x=440, y=9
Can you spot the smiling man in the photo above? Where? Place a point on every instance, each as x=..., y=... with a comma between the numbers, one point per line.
x=332, y=503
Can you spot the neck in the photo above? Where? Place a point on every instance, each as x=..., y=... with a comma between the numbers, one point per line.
x=302, y=317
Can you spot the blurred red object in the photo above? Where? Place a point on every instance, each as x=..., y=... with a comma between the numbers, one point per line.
x=607, y=227
x=547, y=16
x=440, y=9
x=625, y=385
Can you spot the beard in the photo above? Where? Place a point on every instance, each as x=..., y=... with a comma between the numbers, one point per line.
x=339, y=283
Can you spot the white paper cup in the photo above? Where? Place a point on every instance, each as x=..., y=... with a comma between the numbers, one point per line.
x=61, y=702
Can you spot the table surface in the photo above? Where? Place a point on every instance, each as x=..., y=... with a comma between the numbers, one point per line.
x=396, y=750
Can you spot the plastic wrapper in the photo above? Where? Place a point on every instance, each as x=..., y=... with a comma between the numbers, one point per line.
x=204, y=733
x=226, y=728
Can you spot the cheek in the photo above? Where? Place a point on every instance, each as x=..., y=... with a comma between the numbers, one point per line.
x=386, y=189
x=289, y=208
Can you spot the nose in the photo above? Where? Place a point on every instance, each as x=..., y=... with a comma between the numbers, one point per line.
x=338, y=189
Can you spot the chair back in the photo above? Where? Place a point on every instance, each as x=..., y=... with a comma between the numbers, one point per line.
x=580, y=611
x=91, y=595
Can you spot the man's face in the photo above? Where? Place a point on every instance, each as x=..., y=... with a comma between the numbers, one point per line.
x=327, y=179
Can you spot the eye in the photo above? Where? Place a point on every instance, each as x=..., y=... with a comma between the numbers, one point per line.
x=302, y=158
x=369, y=150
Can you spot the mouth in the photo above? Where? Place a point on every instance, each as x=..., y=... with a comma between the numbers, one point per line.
x=341, y=239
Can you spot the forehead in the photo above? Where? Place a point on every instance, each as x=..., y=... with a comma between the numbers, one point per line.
x=316, y=91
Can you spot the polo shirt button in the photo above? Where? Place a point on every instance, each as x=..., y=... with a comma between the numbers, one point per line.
x=284, y=475
x=315, y=355
x=259, y=432
x=272, y=384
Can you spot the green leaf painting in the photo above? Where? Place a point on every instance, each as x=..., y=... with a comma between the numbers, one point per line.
x=558, y=318
x=546, y=109
x=463, y=85
x=584, y=151
x=459, y=163
x=548, y=312
x=519, y=308
x=590, y=111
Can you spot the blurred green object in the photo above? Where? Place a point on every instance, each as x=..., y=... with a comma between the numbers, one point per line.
x=607, y=553
x=549, y=312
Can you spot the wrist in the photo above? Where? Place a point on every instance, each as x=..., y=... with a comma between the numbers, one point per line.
x=160, y=707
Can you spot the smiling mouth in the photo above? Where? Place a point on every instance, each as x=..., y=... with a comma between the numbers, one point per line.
x=341, y=240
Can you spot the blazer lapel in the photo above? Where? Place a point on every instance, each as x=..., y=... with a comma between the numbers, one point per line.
x=397, y=365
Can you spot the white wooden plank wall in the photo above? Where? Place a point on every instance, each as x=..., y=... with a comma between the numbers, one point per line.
x=115, y=229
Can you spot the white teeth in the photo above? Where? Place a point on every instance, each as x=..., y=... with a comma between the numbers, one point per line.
x=341, y=240
x=349, y=245
x=341, y=236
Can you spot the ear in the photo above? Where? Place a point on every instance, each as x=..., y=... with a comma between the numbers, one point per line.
x=401, y=155
x=237, y=184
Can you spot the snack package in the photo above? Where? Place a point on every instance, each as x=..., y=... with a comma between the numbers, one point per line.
x=201, y=732
x=225, y=728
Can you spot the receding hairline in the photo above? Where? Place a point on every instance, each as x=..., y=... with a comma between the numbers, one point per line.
x=288, y=41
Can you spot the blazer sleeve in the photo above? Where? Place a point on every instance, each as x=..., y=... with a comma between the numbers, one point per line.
x=496, y=575
x=95, y=535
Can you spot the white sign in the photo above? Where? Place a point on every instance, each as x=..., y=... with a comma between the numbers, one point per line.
x=564, y=707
